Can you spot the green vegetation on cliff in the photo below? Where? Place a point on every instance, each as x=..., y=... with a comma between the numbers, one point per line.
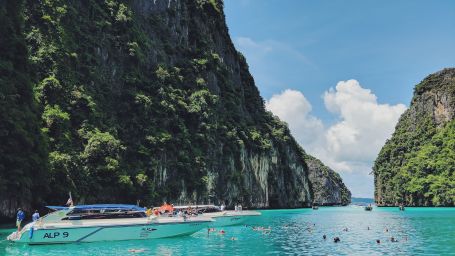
x=416, y=166
x=125, y=101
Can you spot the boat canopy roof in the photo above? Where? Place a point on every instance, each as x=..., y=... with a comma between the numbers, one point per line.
x=124, y=207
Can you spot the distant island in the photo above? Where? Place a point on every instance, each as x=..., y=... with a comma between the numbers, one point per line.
x=361, y=201
x=416, y=167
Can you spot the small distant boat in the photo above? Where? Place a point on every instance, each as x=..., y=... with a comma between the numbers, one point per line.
x=104, y=222
x=315, y=207
x=401, y=208
x=222, y=217
x=368, y=208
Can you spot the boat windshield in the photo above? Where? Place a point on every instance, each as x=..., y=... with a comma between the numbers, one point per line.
x=105, y=211
x=84, y=214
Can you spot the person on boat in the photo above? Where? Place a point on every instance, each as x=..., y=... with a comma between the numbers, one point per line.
x=166, y=208
x=35, y=216
x=19, y=218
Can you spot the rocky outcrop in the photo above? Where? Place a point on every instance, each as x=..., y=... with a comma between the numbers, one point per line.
x=415, y=167
x=328, y=187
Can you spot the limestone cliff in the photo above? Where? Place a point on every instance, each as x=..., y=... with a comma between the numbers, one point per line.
x=149, y=100
x=328, y=187
x=416, y=166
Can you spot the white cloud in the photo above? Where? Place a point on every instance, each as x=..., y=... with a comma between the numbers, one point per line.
x=352, y=143
x=364, y=124
x=292, y=107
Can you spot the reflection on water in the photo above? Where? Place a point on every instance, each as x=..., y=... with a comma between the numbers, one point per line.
x=419, y=231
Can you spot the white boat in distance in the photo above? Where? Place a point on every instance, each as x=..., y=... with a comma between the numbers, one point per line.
x=222, y=217
x=104, y=222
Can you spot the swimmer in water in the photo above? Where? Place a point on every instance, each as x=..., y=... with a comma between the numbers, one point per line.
x=393, y=240
x=222, y=232
x=386, y=230
x=368, y=228
x=210, y=230
x=336, y=239
x=378, y=241
x=324, y=237
x=136, y=250
x=233, y=238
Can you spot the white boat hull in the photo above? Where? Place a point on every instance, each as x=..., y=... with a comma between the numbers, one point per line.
x=132, y=231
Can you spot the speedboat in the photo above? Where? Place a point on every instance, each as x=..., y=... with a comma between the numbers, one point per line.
x=368, y=208
x=222, y=217
x=104, y=222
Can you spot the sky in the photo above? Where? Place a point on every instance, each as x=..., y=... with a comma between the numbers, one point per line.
x=340, y=72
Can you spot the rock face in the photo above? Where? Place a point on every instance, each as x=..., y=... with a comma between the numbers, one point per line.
x=22, y=148
x=328, y=188
x=149, y=100
x=416, y=166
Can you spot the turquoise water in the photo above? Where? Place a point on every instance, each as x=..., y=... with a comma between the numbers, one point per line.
x=429, y=231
